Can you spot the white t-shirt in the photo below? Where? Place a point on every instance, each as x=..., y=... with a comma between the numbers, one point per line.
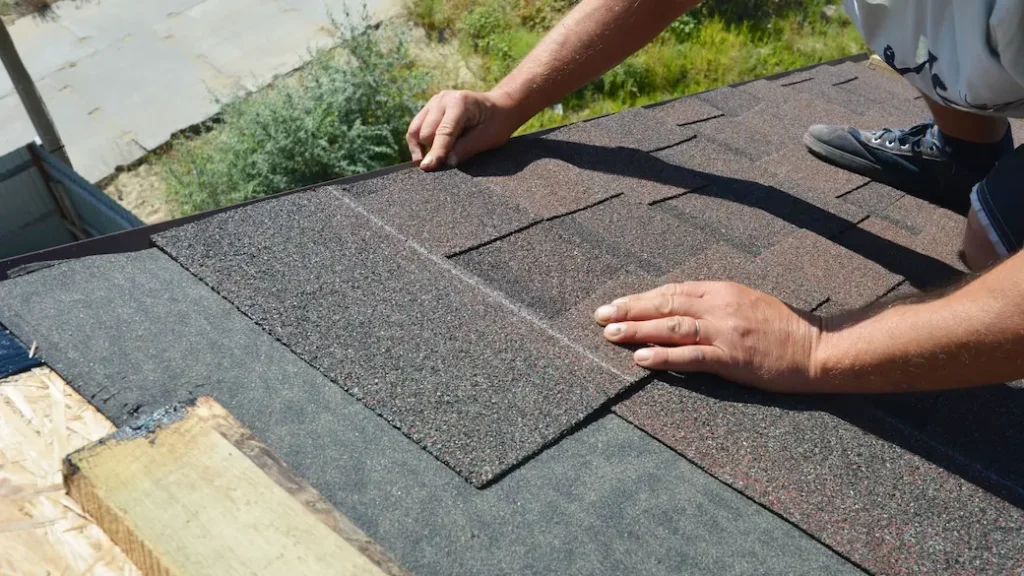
x=968, y=54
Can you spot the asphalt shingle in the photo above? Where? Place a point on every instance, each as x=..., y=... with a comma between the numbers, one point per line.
x=824, y=89
x=641, y=129
x=862, y=494
x=849, y=278
x=548, y=268
x=686, y=110
x=729, y=100
x=607, y=499
x=644, y=236
x=873, y=197
x=524, y=170
x=465, y=375
x=446, y=212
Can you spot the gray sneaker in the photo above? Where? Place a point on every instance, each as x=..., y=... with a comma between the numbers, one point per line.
x=916, y=160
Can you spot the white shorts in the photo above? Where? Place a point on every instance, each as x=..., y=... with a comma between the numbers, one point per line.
x=967, y=54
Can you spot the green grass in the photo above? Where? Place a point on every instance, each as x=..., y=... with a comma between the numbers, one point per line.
x=720, y=43
x=347, y=110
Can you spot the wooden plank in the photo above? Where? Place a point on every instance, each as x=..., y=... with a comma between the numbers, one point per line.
x=875, y=62
x=42, y=530
x=191, y=491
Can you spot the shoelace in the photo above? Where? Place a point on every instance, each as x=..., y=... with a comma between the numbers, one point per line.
x=914, y=137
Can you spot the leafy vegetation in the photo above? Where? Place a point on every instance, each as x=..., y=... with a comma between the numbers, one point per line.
x=19, y=8
x=721, y=42
x=344, y=113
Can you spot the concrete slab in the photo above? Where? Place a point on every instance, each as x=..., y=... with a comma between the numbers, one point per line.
x=249, y=41
x=105, y=22
x=140, y=70
x=45, y=47
x=17, y=130
x=146, y=86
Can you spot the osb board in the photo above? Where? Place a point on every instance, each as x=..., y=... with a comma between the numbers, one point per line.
x=190, y=491
x=42, y=530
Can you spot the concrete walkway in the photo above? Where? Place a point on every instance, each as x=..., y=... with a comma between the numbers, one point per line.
x=120, y=76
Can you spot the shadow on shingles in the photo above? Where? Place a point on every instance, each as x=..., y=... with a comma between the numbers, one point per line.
x=970, y=433
x=920, y=270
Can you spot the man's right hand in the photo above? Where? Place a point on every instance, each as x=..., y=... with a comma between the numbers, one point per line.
x=457, y=124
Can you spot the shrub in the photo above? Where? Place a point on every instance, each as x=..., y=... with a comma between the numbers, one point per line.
x=344, y=113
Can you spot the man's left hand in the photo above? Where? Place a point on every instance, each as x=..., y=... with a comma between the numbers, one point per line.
x=718, y=327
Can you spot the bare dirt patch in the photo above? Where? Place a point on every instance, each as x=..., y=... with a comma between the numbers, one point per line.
x=141, y=191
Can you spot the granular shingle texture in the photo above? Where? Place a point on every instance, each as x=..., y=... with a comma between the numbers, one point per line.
x=641, y=129
x=527, y=171
x=849, y=278
x=607, y=499
x=723, y=262
x=645, y=236
x=732, y=215
x=446, y=212
x=686, y=111
x=548, y=268
x=491, y=354
x=729, y=100
x=639, y=176
x=465, y=375
x=862, y=494
x=873, y=197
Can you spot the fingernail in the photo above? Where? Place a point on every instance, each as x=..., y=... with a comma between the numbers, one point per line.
x=622, y=300
x=643, y=355
x=615, y=330
x=605, y=313
x=428, y=162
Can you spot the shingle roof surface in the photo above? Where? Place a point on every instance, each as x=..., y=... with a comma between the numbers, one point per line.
x=136, y=332
x=460, y=371
x=715, y=185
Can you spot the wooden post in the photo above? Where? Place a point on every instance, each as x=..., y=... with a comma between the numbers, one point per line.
x=30, y=99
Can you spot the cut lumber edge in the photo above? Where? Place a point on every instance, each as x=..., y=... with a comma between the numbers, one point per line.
x=213, y=416
x=875, y=62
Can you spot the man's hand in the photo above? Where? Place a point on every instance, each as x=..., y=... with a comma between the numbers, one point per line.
x=718, y=327
x=458, y=124
x=594, y=37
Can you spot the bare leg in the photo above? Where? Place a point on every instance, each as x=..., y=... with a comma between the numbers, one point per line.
x=967, y=126
x=978, y=251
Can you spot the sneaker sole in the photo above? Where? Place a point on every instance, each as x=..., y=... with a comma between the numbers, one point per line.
x=851, y=163
x=841, y=159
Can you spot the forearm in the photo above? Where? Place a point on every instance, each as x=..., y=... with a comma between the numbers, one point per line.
x=594, y=37
x=969, y=337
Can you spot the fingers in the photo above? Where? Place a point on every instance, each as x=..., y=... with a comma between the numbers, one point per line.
x=698, y=358
x=670, y=331
x=430, y=123
x=445, y=134
x=691, y=289
x=412, y=136
x=649, y=307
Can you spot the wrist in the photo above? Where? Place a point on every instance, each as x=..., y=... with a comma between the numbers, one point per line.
x=512, y=105
x=824, y=372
